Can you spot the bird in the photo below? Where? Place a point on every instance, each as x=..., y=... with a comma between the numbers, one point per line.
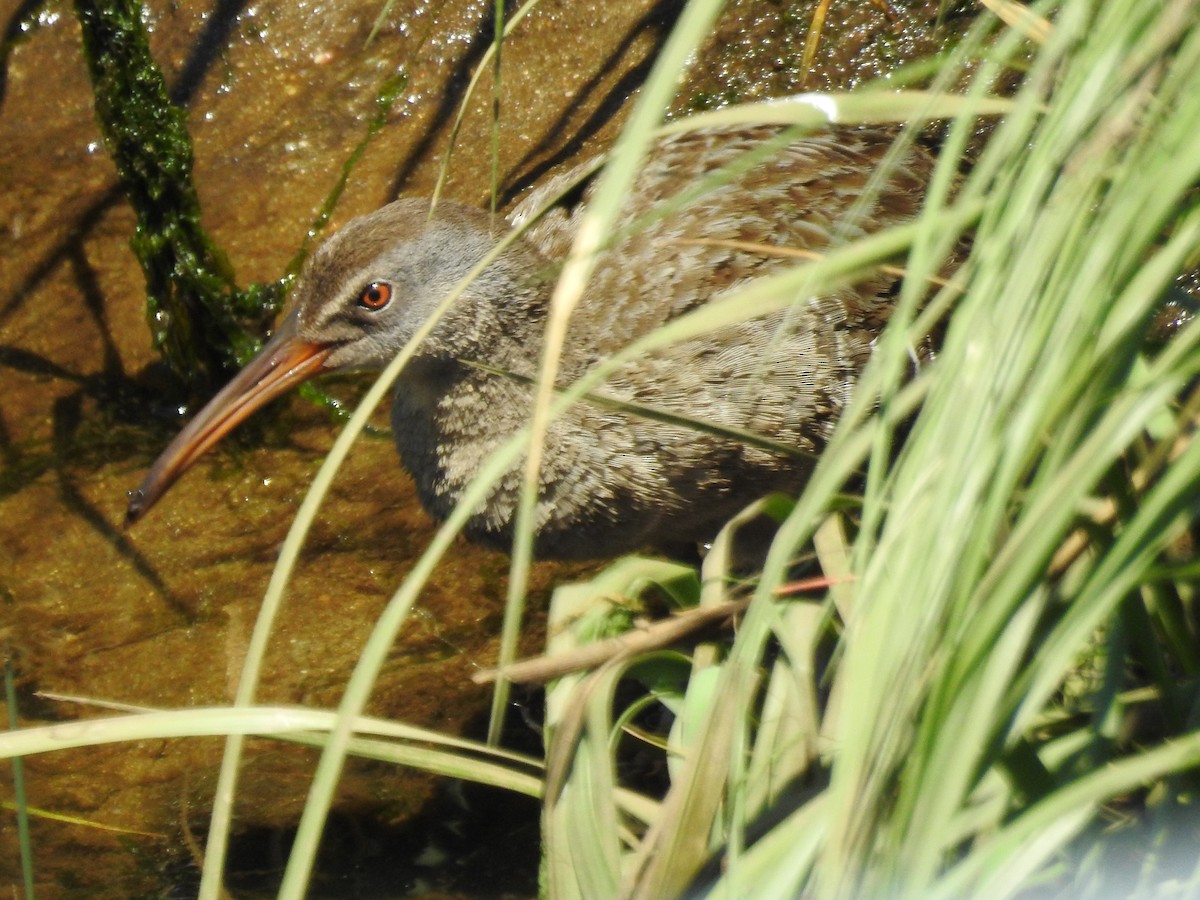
x=612, y=481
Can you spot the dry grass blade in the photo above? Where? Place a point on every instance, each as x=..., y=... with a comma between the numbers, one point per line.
x=680, y=627
x=813, y=39
x=1022, y=18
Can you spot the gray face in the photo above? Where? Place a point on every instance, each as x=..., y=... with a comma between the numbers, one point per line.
x=373, y=284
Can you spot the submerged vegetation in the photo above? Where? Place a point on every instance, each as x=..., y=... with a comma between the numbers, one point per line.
x=198, y=317
x=987, y=683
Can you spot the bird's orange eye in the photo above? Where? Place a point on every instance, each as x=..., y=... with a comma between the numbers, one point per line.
x=375, y=295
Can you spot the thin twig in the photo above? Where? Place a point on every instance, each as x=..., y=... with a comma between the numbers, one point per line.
x=644, y=639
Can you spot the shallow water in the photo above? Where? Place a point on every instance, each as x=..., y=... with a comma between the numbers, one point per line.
x=278, y=94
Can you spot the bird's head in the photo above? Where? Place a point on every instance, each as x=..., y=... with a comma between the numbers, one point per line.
x=362, y=295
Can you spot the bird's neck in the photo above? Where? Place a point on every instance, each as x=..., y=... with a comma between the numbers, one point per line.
x=448, y=417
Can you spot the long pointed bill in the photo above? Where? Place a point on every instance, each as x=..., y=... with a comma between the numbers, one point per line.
x=284, y=362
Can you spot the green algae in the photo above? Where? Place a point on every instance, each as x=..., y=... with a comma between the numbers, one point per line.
x=200, y=321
